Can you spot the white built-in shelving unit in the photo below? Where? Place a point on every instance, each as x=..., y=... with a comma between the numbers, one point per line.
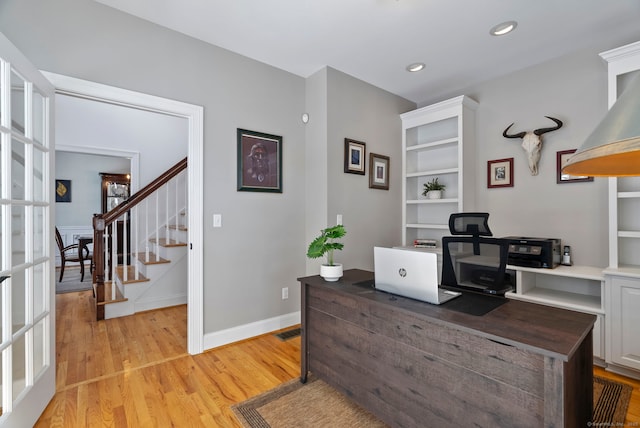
x=437, y=142
x=622, y=277
x=577, y=288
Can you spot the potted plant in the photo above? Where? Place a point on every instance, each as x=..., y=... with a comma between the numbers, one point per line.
x=433, y=189
x=326, y=244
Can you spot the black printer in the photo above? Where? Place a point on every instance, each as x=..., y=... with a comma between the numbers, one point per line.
x=534, y=252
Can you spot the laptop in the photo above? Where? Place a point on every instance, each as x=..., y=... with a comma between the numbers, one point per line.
x=408, y=273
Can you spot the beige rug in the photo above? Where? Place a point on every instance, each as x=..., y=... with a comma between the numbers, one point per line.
x=317, y=405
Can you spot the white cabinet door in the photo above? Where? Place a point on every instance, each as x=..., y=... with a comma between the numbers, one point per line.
x=624, y=318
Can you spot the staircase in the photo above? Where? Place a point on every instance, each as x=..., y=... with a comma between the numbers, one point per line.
x=153, y=282
x=155, y=272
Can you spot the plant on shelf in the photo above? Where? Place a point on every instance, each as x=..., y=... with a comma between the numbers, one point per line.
x=326, y=244
x=433, y=189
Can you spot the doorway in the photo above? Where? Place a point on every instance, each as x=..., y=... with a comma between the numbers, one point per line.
x=68, y=88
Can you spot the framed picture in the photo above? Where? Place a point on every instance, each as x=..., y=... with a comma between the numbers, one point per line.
x=378, y=171
x=259, y=162
x=561, y=159
x=500, y=173
x=63, y=190
x=354, y=156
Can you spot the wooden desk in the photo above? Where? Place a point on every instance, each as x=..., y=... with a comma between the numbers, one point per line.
x=414, y=364
x=83, y=242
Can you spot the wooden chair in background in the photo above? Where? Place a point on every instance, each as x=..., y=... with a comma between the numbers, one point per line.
x=71, y=253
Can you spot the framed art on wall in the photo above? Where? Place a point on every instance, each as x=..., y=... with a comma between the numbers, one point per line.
x=500, y=173
x=378, y=171
x=354, y=156
x=63, y=190
x=561, y=159
x=259, y=162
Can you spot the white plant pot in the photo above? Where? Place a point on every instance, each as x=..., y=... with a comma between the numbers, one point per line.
x=331, y=273
x=434, y=194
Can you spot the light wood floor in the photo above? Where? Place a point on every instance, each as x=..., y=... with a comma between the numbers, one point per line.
x=135, y=371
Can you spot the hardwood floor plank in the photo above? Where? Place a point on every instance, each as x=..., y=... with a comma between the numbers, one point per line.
x=135, y=371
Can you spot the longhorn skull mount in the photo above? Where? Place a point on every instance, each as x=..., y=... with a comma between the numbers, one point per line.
x=532, y=142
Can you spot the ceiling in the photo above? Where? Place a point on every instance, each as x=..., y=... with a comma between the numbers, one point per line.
x=374, y=40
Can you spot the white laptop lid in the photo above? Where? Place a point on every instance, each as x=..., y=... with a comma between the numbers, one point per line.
x=412, y=274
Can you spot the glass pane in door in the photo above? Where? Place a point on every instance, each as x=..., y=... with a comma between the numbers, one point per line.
x=39, y=227
x=18, y=154
x=39, y=191
x=19, y=365
x=18, y=299
x=39, y=346
x=18, y=238
x=17, y=102
x=39, y=289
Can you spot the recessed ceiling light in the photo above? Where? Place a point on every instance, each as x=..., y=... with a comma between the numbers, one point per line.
x=503, y=28
x=416, y=66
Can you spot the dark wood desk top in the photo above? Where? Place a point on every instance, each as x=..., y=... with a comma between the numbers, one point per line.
x=542, y=329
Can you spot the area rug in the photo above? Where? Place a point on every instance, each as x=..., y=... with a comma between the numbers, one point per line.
x=610, y=402
x=317, y=405
x=71, y=281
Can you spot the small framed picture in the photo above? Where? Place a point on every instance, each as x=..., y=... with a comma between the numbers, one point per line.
x=500, y=173
x=378, y=171
x=561, y=159
x=63, y=190
x=259, y=162
x=354, y=156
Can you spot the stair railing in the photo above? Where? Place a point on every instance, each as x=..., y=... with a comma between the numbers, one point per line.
x=137, y=210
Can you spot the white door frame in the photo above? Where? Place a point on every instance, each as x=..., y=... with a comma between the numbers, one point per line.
x=195, y=117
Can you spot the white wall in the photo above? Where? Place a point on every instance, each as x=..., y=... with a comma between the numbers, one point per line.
x=362, y=112
x=159, y=139
x=572, y=89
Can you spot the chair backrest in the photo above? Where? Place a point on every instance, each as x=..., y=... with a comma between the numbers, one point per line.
x=59, y=240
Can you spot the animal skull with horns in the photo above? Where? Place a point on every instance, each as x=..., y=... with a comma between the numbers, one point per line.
x=532, y=142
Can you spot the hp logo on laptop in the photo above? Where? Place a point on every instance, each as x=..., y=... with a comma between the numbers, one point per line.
x=402, y=272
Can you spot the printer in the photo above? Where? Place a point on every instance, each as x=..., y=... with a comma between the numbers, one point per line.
x=534, y=252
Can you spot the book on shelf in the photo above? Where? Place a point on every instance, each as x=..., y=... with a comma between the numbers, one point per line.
x=424, y=243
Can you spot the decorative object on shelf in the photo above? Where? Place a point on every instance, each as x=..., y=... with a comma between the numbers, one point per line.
x=259, y=162
x=378, y=171
x=354, y=156
x=500, y=173
x=562, y=157
x=326, y=244
x=566, y=256
x=63, y=190
x=532, y=142
x=433, y=189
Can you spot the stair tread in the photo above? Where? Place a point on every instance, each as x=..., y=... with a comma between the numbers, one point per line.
x=152, y=259
x=172, y=243
x=179, y=227
x=131, y=274
x=108, y=296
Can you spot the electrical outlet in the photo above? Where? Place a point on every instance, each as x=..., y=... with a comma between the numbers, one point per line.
x=339, y=219
x=285, y=293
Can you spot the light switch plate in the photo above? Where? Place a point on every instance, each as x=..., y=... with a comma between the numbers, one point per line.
x=217, y=220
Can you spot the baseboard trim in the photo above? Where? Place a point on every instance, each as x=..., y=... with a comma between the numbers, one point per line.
x=241, y=332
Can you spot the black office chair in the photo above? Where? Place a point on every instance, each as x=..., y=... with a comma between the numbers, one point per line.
x=71, y=253
x=473, y=260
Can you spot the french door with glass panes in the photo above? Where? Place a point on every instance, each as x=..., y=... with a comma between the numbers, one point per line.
x=27, y=304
